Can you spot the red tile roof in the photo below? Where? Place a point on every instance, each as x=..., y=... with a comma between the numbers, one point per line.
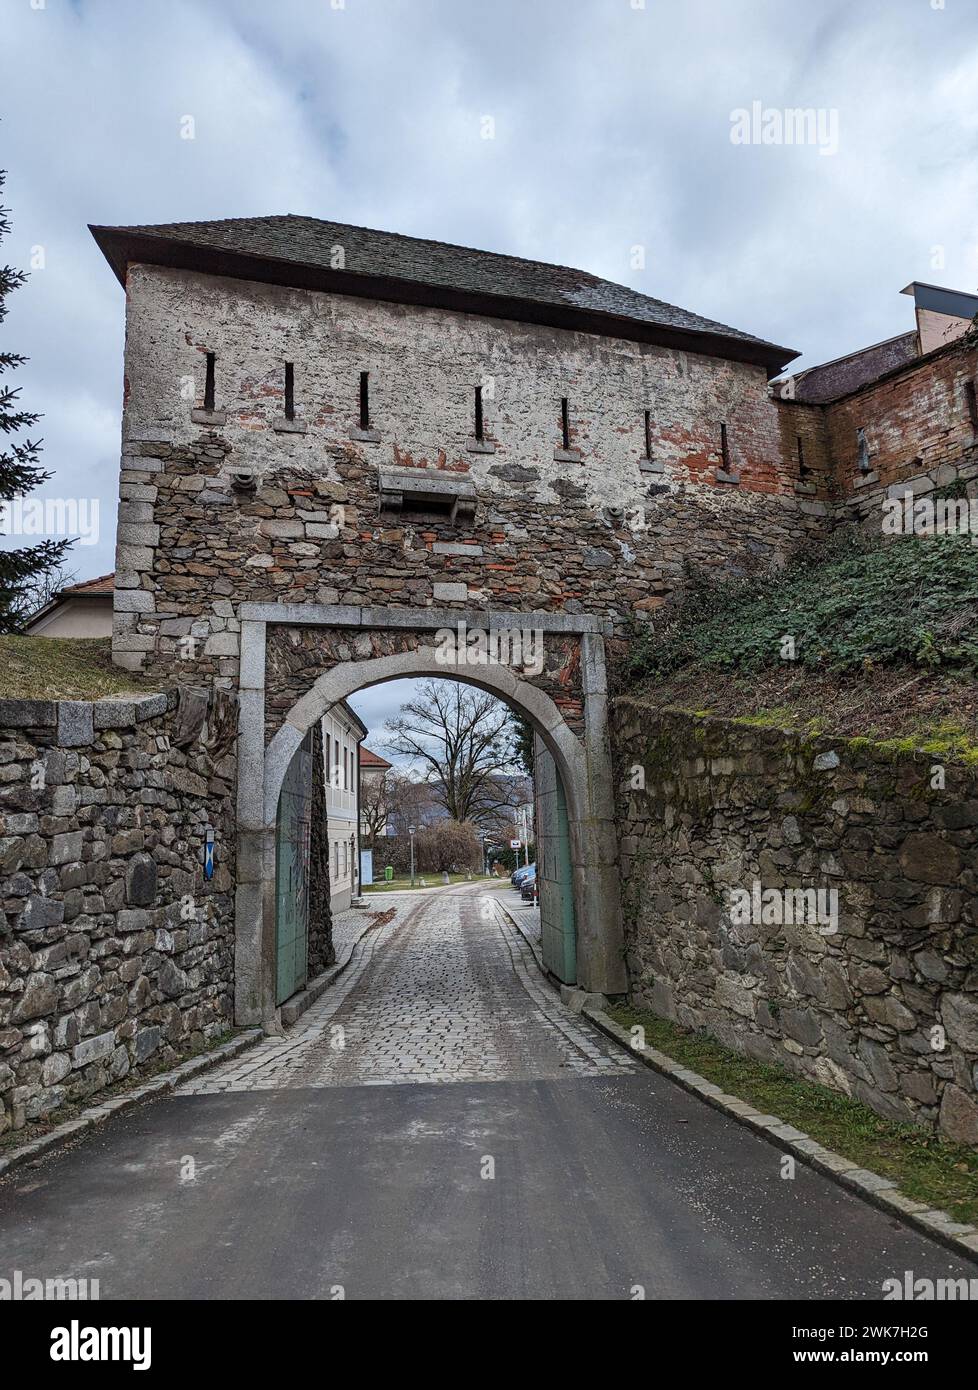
x=369, y=759
x=104, y=584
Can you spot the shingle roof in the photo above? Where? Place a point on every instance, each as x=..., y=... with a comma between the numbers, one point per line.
x=831, y=380
x=295, y=250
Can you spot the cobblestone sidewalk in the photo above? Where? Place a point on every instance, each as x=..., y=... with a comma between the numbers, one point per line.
x=446, y=991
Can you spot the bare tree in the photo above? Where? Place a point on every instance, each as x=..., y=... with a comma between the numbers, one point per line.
x=460, y=735
x=39, y=589
x=513, y=792
x=399, y=802
x=447, y=847
x=376, y=804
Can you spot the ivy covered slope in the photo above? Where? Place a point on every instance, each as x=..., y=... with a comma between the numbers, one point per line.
x=865, y=638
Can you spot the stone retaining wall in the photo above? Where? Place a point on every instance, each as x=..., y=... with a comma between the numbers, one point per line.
x=884, y=1006
x=115, y=952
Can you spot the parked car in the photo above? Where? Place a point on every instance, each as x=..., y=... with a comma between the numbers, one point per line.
x=528, y=885
x=519, y=874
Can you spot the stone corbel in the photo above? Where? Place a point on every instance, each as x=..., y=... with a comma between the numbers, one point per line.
x=427, y=489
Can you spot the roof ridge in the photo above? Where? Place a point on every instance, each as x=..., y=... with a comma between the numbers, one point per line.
x=287, y=243
x=451, y=246
x=856, y=352
x=397, y=236
x=87, y=583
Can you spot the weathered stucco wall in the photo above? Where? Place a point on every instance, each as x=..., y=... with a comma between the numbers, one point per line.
x=600, y=534
x=116, y=953
x=885, y=1007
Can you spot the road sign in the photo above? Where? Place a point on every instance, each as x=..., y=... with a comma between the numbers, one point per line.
x=515, y=844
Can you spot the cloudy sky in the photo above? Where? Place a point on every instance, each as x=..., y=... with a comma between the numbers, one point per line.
x=569, y=131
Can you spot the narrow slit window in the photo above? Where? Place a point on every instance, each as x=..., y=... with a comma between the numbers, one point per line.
x=564, y=423
x=209, y=382
x=802, y=465
x=289, y=391
x=972, y=398
x=648, y=434
x=862, y=450
x=478, y=414
x=724, y=448
x=365, y=400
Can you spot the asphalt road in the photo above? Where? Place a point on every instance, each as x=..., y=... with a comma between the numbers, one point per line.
x=581, y=1186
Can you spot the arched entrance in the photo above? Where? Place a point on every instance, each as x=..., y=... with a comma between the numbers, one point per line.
x=581, y=760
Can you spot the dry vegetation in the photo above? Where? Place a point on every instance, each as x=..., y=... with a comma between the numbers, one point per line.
x=64, y=668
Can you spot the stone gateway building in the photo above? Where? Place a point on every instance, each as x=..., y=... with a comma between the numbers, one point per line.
x=338, y=442
x=338, y=447
x=344, y=417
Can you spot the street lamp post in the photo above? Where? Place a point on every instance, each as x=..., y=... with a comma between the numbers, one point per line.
x=411, y=830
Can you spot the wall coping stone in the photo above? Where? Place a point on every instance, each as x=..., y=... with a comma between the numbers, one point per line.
x=28, y=714
x=76, y=728
x=77, y=721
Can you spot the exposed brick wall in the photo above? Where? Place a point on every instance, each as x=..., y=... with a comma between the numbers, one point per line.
x=808, y=424
x=115, y=952
x=917, y=423
x=723, y=806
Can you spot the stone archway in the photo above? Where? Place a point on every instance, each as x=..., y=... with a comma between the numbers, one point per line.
x=268, y=743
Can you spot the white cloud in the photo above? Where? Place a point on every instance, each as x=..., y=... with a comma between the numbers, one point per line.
x=611, y=130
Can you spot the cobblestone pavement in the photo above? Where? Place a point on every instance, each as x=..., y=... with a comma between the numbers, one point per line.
x=348, y=927
x=447, y=991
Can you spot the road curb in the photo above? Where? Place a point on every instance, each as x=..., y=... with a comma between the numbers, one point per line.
x=533, y=944
x=98, y=1114
x=293, y=1009
x=881, y=1192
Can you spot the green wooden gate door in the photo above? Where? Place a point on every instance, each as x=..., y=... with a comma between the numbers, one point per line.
x=558, y=935
x=292, y=846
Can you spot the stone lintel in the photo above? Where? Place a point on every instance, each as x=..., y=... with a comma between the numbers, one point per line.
x=427, y=619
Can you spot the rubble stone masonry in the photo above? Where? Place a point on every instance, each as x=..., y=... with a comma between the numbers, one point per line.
x=885, y=1008
x=116, y=953
x=597, y=528
x=372, y=488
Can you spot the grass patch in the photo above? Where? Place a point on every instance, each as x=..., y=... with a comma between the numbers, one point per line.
x=884, y=645
x=924, y=1167
x=399, y=885
x=889, y=708
x=64, y=668
x=947, y=739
